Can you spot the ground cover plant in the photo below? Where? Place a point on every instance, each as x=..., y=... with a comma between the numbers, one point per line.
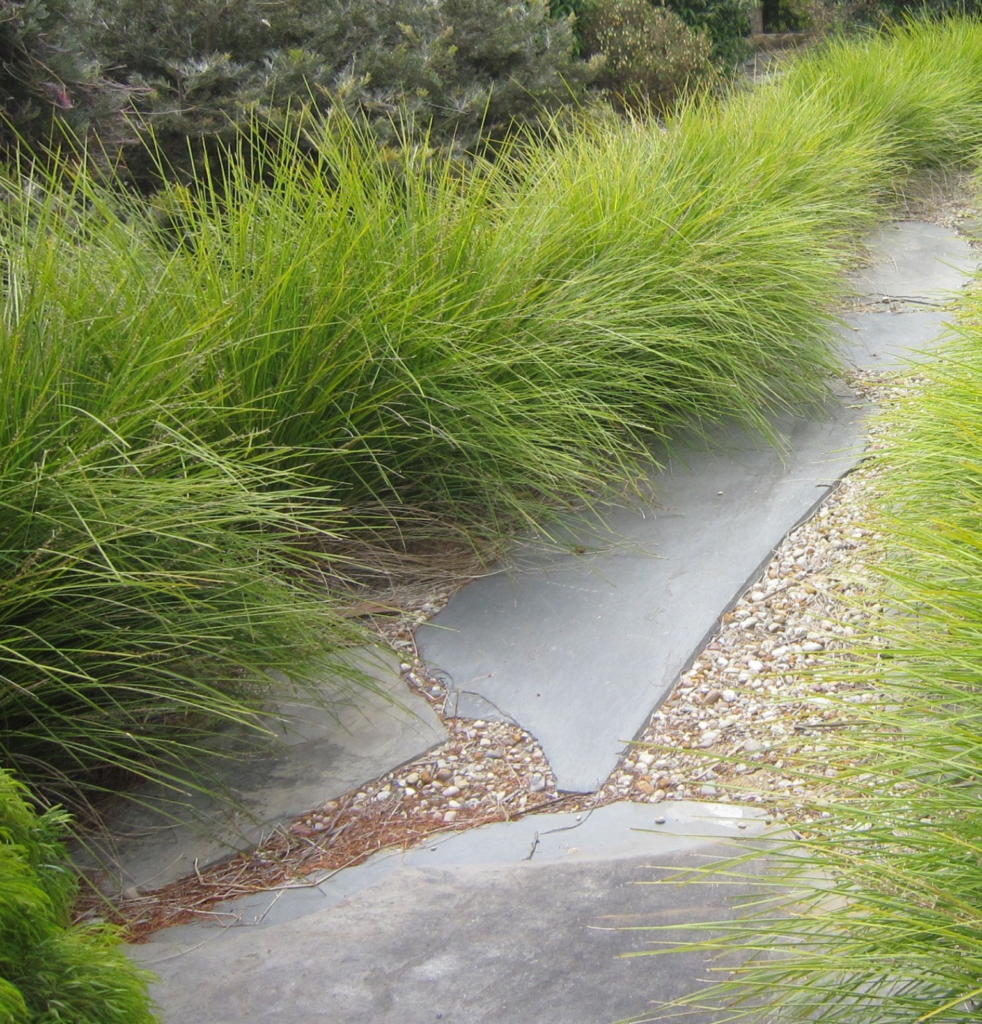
x=52, y=971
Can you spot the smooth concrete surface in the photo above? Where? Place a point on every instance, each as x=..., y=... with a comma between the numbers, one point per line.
x=614, y=832
x=320, y=752
x=480, y=935
x=915, y=262
x=886, y=341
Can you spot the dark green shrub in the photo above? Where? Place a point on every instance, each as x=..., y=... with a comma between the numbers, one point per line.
x=726, y=22
x=45, y=78
x=460, y=69
x=53, y=972
x=651, y=57
x=824, y=16
x=574, y=9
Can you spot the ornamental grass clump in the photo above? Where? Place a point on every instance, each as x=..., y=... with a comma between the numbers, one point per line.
x=51, y=970
x=322, y=347
x=920, y=81
x=149, y=579
x=482, y=344
x=667, y=254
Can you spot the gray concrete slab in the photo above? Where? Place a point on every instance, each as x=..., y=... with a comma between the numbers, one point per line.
x=478, y=937
x=916, y=262
x=886, y=341
x=580, y=648
x=317, y=753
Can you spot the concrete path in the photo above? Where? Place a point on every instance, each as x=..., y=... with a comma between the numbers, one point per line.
x=580, y=648
x=313, y=755
x=512, y=922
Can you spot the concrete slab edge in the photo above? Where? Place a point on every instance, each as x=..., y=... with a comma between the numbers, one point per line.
x=740, y=591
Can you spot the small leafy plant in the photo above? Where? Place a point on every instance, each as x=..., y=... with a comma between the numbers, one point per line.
x=651, y=58
x=50, y=970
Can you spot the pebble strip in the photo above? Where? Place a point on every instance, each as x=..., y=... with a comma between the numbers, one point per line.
x=751, y=709
x=486, y=769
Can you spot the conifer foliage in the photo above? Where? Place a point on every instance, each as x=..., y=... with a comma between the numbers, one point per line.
x=41, y=68
x=53, y=972
x=191, y=73
x=461, y=69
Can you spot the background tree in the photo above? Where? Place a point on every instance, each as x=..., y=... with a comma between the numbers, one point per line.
x=46, y=78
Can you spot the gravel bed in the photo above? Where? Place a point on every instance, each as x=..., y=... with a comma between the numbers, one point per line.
x=750, y=719
x=486, y=770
